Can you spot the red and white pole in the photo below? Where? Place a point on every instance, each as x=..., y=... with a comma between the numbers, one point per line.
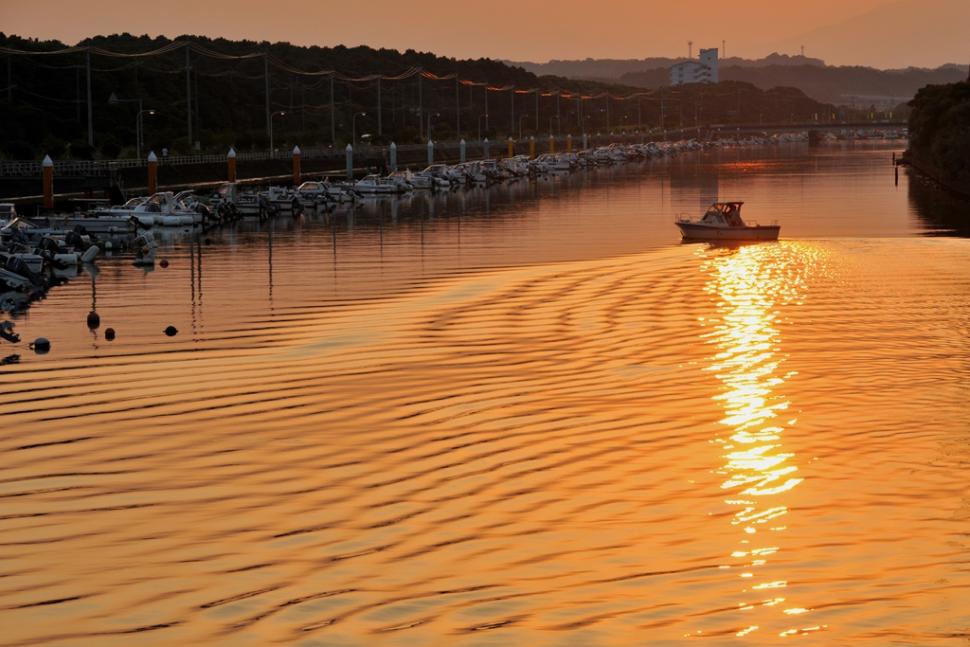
x=152, y=173
x=47, y=172
x=297, y=156
x=231, y=165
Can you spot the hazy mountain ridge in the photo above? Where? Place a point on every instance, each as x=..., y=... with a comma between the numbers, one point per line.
x=858, y=86
x=607, y=68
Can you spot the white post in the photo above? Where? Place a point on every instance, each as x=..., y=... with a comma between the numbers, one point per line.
x=485, y=148
x=461, y=151
x=392, y=157
x=350, y=162
x=430, y=152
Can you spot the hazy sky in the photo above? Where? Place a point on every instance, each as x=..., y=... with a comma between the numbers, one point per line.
x=900, y=32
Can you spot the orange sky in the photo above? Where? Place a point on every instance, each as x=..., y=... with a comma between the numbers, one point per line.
x=902, y=32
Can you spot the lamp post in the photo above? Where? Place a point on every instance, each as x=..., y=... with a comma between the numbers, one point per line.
x=428, y=131
x=480, y=117
x=140, y=128
x=353, y=126
x=114, y=100
x=521, y=117
x=278, y=113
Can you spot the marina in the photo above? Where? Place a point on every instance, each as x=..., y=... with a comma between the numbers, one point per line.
x=37, y=252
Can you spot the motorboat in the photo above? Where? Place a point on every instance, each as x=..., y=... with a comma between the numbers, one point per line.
x=283, y=200
x=723, y=221
x=449, y=174
x=163, y=209
x=313, y=192
x=403, y=181
x=377, y=185
x=425, y=180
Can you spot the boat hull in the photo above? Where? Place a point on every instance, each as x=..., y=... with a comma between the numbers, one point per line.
x=700, y=232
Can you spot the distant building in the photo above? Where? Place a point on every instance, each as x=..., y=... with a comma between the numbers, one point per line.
x=703, y=70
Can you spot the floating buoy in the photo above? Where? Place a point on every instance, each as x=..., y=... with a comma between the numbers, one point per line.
x=94, y=320
x=109, y=334
x=41, y=345
x=163, y=262
x=171, y=331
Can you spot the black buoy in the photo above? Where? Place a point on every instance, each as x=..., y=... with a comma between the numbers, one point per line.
x=164, y=262
x=171, y=331
x=109, y=334
x=94, y=320
x=41, y=345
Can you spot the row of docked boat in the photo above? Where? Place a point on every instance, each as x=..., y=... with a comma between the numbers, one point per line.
x=34, y=257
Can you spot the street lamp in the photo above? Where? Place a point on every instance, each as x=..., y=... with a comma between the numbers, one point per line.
x=280, y=113
x=114, y=100
x=140, y=128
x=353, y=126
x=437, y=114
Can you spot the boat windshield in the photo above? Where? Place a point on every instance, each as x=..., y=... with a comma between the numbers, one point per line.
x=728, y=213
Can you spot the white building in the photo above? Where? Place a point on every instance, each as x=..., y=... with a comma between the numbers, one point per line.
x=703, y=70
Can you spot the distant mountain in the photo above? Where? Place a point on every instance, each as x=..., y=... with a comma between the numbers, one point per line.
x=854, y=86
x=908, y=32
x=601, y=69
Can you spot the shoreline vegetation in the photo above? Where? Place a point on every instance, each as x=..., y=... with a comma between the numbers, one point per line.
x=223, y=97
x=939, y=135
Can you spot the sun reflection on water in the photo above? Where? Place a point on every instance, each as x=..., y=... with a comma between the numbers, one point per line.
x=749, y=284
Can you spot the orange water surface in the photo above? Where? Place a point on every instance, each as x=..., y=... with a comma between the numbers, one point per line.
x=521, y=416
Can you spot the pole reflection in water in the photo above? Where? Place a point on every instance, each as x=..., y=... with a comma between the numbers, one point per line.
x=750, y=284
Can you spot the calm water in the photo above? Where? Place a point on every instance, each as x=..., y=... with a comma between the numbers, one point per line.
x=526, y=415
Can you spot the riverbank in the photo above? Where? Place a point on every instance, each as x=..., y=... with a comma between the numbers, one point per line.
x=939, y=135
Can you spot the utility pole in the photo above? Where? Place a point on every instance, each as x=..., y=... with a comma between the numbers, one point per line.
x=420, y=110
x=537, y=110
x=512, y=113
x=558, y=116
x=188, y=91
x=457, y=107
x=485, y=87
x=333, y=117
x=269, y=124
x=87, y=59
x=380, y=122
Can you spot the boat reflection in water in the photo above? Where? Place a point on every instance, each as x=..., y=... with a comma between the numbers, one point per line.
x=750, y=284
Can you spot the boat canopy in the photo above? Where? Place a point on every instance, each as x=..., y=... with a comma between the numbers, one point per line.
x=725, y=213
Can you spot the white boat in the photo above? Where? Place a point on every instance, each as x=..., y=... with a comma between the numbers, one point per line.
x=163, y=209
x=472, y=172
x=446, y=173
x=425, y=180
x=517, y=166
x=723, y=222
x=283, y=200
x=377, y=185
x=312, y=190
x=404, y=183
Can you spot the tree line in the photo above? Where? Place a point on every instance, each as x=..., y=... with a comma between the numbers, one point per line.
x=43, y=102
